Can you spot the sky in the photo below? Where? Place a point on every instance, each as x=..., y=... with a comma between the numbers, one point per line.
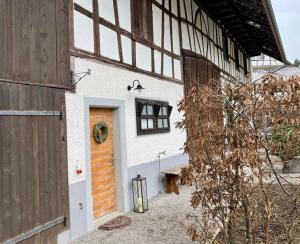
x=287, y=14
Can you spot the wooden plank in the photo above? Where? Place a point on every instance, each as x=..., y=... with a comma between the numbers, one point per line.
x=35, y=165
x=6, y=154
x=43, y=162
x=52, y=155
x=15, y=179
x=96, y=27
x=71, y=23
x=115, y=3
x=176, y=170
x=8, y=43
x=62, y=41
x=103, y=170
x=25, y=158
x=2, y=136
x=2, y=40
x=142, y=19
x=57, y=160
x=34, y=42
x=16, y=39
x=24, y=54
x=162, y=40
x=48, y=41
x=64, y=161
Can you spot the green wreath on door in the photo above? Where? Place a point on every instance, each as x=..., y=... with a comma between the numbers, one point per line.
x=100, y=132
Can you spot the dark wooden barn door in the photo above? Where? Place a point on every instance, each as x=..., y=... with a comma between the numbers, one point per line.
x=34, y=75
x=198, y=71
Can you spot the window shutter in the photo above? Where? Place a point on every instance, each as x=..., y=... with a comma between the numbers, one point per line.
x=156, y=109
x=140, y=107
x=142, y=19
x=170, y=108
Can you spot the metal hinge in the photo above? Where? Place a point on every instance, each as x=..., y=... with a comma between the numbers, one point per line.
x=30, y=113
x=37, y=230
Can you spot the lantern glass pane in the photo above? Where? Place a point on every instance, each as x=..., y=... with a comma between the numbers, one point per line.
x=140, y=198
x=144, y=196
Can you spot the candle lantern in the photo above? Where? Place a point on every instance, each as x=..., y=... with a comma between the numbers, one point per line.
x=139, y=191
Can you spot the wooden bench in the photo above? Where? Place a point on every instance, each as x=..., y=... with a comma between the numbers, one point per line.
x=172, y=176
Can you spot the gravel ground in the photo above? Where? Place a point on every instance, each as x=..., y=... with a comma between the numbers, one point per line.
x=164, y=223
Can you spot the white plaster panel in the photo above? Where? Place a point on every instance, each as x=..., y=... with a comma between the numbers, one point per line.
x=87, y=4
x=126, y=49
x=191, y=31
x=159, y=1
x=83, y=32
x=175, y=33
x=110, y=82
x=204, y=23
x=177, y=69
x=157, y=25
x=75, y=137
x=124, y=14
x=143, y=57
x=198, y=20
x=189, y=13
x=198, y=41
x=167, y=4
x=174, y=7
x=185, y=36
x=167, y=32
x=211, y=29
x=157, y=62
x=194, y=10
x=182, y=12
x=109, y=43
x=168, y=66
x=106, y=10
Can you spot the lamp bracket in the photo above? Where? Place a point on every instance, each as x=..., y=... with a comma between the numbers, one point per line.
x=76, y=77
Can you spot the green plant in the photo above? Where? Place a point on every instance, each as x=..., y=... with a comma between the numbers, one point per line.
x=285, y=141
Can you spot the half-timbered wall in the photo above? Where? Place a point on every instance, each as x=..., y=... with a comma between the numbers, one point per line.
x=111, y=30
x=34, y=74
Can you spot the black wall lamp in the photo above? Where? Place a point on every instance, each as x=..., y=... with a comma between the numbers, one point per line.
x=139, y=87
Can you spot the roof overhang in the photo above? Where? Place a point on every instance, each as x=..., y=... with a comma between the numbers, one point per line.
x=251, y=23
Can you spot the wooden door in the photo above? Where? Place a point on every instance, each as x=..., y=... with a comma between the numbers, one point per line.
x=103, y=170
x=199, y=71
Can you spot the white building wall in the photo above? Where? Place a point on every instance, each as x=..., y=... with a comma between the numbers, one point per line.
x=107, y=81
x=207, y=43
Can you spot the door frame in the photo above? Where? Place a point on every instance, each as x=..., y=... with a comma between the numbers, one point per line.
x=120, y=154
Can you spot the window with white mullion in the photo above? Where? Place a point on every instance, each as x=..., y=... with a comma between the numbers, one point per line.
x=163, y=118
x=152, y=116
x=147, y=117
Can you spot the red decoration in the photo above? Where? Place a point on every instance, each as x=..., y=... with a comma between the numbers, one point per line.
x=78, y=171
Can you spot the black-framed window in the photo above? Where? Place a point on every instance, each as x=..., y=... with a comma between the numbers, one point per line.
x=152, y=116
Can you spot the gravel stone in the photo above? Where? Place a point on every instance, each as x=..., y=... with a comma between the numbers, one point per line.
x=164, y=223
